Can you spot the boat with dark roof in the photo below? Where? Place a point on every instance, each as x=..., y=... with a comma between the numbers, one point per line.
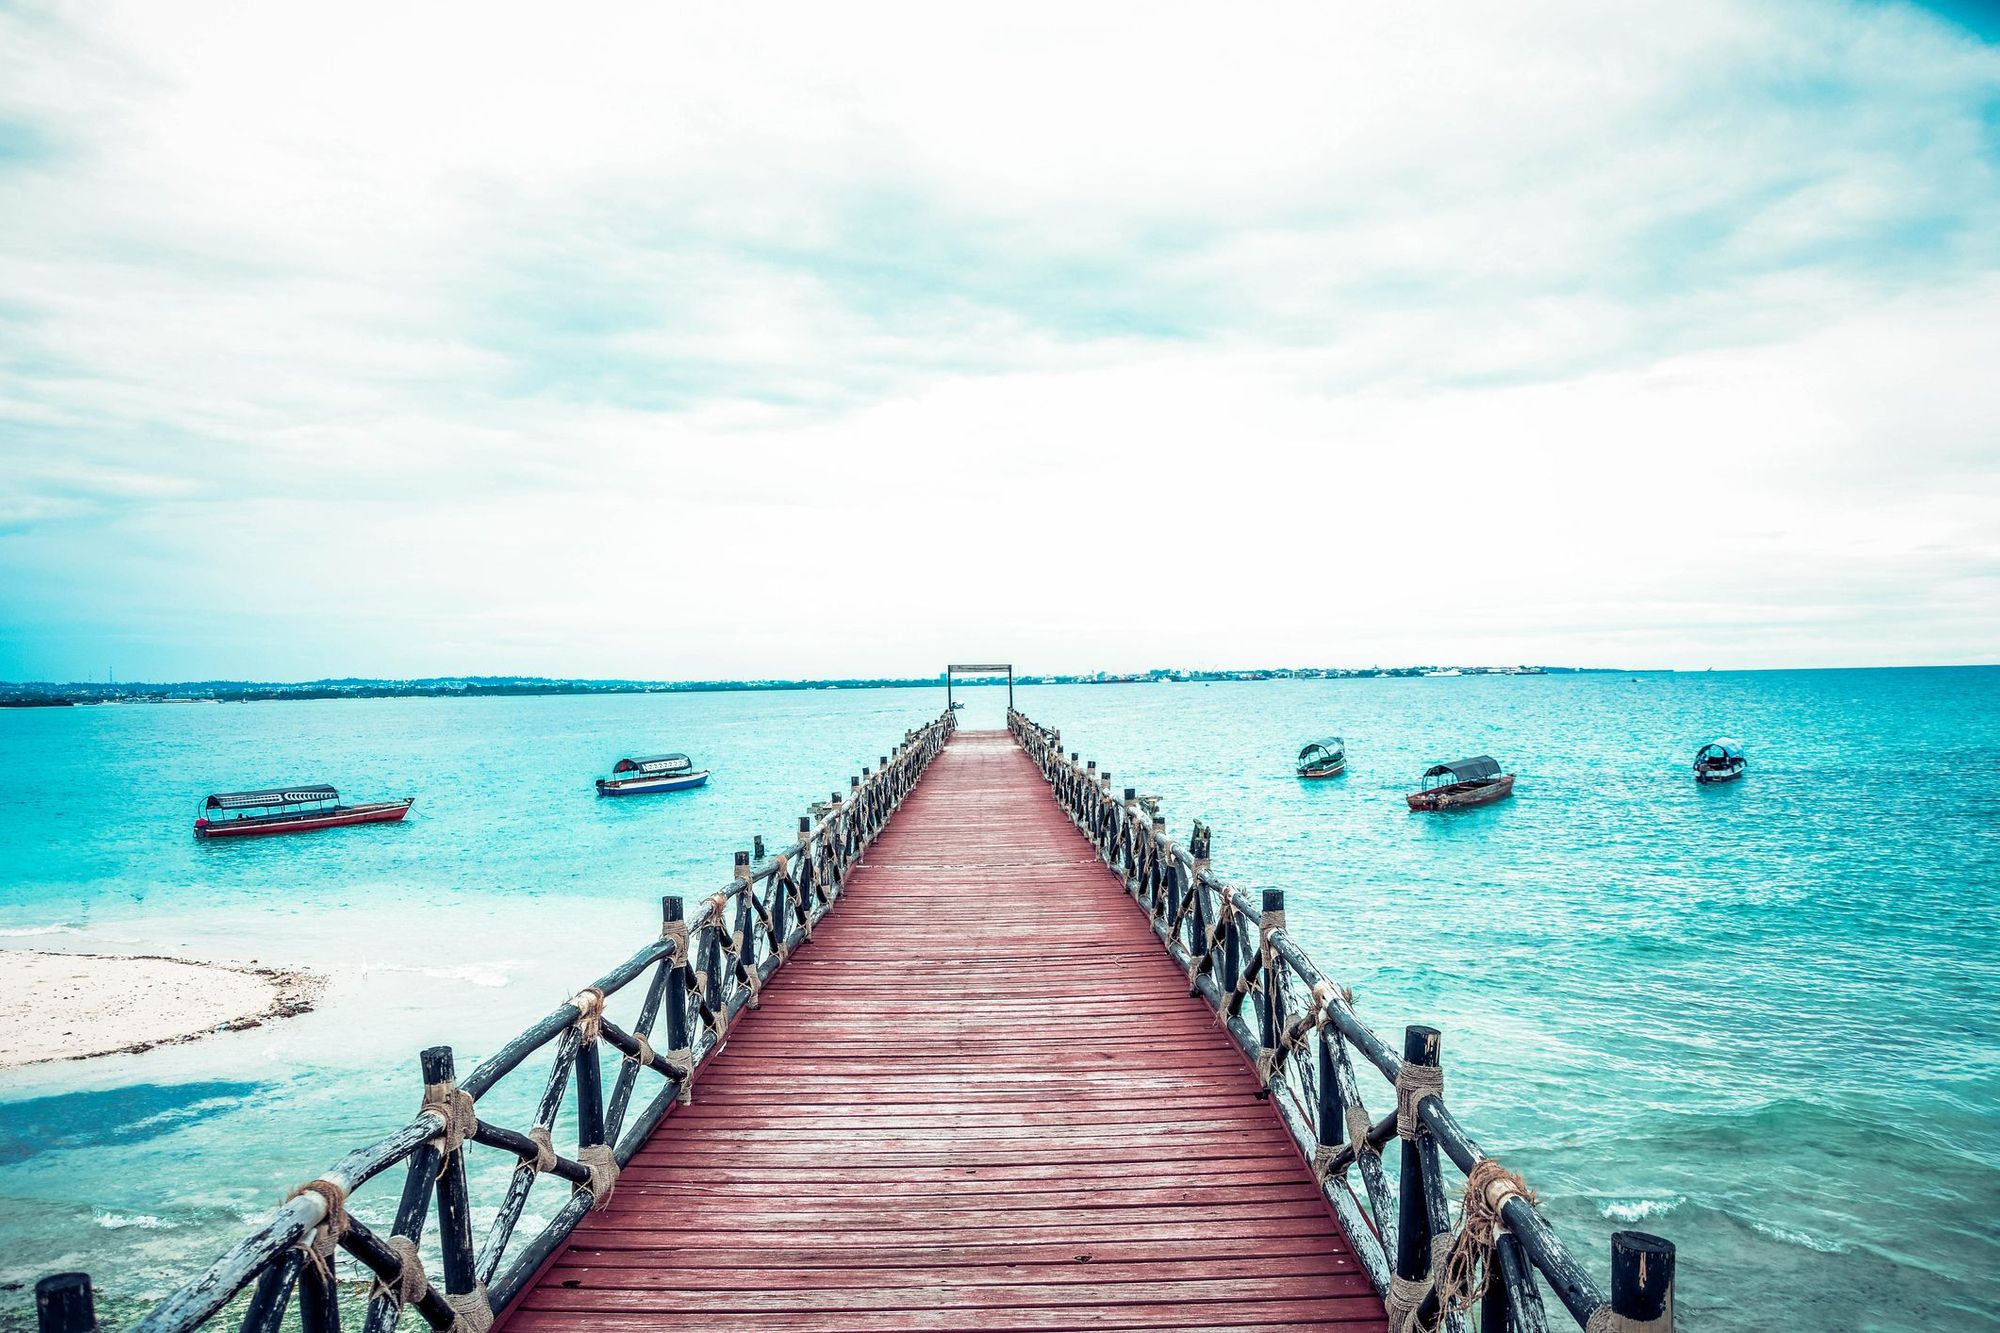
x=1323, y=758
x=1463, y=783
x=246, y=814
x=1719, y=761
x=657, y=773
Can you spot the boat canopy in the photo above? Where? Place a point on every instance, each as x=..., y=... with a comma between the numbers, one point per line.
x=1331, y=747
x=262, y=800
x=659, y=763
x=1724, y=748
x=1476, y=769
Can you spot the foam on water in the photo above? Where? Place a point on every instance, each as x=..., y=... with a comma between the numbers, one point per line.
x=1762, y=1018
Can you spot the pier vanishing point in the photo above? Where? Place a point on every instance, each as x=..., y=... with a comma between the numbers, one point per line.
x=985, y=1048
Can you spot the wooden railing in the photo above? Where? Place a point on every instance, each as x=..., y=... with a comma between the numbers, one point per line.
x=701, y=973
x=1484, y=1256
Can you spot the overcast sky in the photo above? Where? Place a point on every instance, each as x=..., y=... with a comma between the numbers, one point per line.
x=601, y=341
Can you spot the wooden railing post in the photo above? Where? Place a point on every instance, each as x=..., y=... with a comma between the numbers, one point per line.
x=454, y=1209
x=1413, y=1217
x=64, y=1304
x=1642, y=1280
x=673, y=910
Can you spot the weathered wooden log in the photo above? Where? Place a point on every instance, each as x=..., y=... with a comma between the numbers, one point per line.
x=1513, y=1302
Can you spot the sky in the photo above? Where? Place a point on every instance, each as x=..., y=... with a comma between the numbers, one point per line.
x=848, y=340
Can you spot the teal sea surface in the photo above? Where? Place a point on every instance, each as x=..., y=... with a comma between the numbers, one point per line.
x=1762, y=1018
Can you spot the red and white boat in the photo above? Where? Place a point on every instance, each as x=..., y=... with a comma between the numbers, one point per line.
x=249, y=814
x=1465, y=782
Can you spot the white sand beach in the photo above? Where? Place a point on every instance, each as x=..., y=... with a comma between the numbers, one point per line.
x=68, y=1006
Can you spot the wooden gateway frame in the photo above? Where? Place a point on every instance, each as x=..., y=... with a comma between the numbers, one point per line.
x=977, y=668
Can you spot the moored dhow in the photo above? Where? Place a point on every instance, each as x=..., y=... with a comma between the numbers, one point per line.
x=1462, y=783
x=660, y=772
x=244, y=814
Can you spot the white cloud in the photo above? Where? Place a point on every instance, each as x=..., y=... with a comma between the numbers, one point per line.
x=1553, y=333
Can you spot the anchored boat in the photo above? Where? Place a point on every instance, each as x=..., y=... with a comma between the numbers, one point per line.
x=1462, y=783
x=661, y=772
x=244, y=814
x=1719, y=761
x=1323, y=758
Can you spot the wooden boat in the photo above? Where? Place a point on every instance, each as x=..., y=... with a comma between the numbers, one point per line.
x=1719, y=761
x=643, y=777
x=1323, y=758
x=1463, y=783
x=249, y=814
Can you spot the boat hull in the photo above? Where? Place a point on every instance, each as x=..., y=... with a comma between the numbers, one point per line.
x=1330, y=771
x=1710, y=776
x=1463, y=795
x=375, y=812
x=650, y=786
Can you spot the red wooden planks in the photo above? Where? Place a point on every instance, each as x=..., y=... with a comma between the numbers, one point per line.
x=980, y=1098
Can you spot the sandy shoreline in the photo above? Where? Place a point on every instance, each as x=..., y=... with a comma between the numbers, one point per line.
x=70, y=1006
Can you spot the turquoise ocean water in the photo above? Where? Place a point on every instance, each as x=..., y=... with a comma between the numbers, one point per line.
x=1762, y=1019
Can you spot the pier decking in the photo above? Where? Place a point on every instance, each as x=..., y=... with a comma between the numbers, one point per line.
x=981, y=1098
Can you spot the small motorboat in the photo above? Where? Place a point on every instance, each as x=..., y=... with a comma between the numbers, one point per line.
x=1719, y=761
x=660, y=772
x=245, y=814
x=1463, y=783
x=1323, y=758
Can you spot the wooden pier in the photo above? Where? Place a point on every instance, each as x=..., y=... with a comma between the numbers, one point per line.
x=983, y=1048
x=982, y=1099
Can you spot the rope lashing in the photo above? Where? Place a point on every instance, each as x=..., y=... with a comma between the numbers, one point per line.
x=1326, y=1161
x=472, y=1310
x=1405, y=1295
x=754, y=979
x=1468, y=1267
x=1605, y=1320
x=603, y=1168
x=411, y=1283
x=589, y=1004
x=698, y=984
x=453, y=1105
x=1414, y=1082
x=676, y=934
x=320, y=1240
x=544, y=1160
x=682, y=1058
x=712, y=909
x=644, y=1056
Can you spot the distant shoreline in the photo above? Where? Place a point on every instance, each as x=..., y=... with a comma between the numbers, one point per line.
x=48, y=694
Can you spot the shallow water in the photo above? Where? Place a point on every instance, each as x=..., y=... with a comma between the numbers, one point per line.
x=1762, y=1019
